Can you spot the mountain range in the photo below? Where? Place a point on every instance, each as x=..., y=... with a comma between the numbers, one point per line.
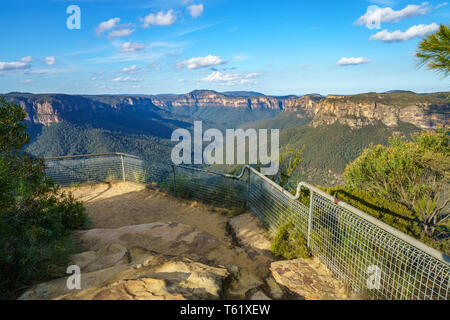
x=334, y=129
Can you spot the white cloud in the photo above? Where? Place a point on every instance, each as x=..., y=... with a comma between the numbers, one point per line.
x=389, y=15
x=398, y=36
x=131, y=47
x=240, y=57
x=126, y=79
x=229, y=79
x=27, y=59
x=201, y=62
x=107, y=25
x=131, y=70
x=21, y=64
x=352, y=61
x=120, y=33
x=26, y=81
x=159, y=19
x=195, y=10
x=443, y=4
x=49, y=60
x=181, y=80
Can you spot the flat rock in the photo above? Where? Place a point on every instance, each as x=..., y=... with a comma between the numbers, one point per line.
x=250, y=232
x=162, y=237
x=153, y=277
x=308, y=278
x=259, y=295
x=110, y=255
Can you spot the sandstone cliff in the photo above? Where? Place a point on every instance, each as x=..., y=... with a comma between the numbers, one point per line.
x=424, y=111
x=209, y=98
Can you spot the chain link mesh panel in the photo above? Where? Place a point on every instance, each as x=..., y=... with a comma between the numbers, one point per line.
x=374, y=262
x=67, y=171
x=211, y=188
x=142, y=171
x=371, y=260
x=274, y=207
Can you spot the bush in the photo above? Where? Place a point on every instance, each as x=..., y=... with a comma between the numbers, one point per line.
x=390, y=212
x=289, y=243
x=36, y=218
x=414, y=173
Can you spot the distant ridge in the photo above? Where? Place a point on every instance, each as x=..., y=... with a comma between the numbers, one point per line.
x=242, y=93
x=399, y=91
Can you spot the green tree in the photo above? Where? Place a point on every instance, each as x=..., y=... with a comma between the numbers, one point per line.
x=434, y=50
x=414, y=173
x=36, y=218
x=289, y=161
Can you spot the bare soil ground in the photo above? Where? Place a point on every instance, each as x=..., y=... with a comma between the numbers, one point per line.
x=118, y=204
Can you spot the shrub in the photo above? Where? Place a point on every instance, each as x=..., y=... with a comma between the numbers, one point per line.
x=390, y=212
x=415, y=173
x=36, y=218
x=289, y=243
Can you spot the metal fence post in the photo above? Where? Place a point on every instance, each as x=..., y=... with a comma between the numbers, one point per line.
x=123, y=168
x=248, y=190
x=174, y=183
x=310, y=216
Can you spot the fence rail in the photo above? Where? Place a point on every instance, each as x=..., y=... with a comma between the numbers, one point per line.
x=374, y=259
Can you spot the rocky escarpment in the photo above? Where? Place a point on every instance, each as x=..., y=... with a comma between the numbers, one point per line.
x=307, y=103
x=209, y=98
x=424, y=111
x=46, y=109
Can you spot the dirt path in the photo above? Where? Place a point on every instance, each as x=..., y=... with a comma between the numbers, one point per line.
x=124, y=203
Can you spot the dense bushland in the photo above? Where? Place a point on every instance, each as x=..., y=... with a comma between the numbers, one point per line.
x=414, y=173
x=36, y=218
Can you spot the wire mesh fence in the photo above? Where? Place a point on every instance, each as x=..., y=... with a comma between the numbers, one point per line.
x=374, y=262
x=374, y=259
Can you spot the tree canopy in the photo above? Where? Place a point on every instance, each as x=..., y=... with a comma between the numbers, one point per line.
x=434, y=50
x=36, y=219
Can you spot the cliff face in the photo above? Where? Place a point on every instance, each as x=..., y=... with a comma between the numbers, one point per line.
x=307, y=103
x=46, y=109
x=207, y=98
x=423, y=111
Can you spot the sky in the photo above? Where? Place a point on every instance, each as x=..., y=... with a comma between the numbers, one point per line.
x=176, y=46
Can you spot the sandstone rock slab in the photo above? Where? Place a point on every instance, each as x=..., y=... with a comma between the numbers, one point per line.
x=162, y=237
x=308, y=278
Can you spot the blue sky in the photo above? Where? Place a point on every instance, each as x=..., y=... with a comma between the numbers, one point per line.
x=175, y=46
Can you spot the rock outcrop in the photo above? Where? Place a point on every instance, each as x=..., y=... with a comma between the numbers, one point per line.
x=308, y=278
x=209, y=98
x=150, y=276
x=160, y=260
x=423, y=111
x=306, y=104
x=162, y=237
